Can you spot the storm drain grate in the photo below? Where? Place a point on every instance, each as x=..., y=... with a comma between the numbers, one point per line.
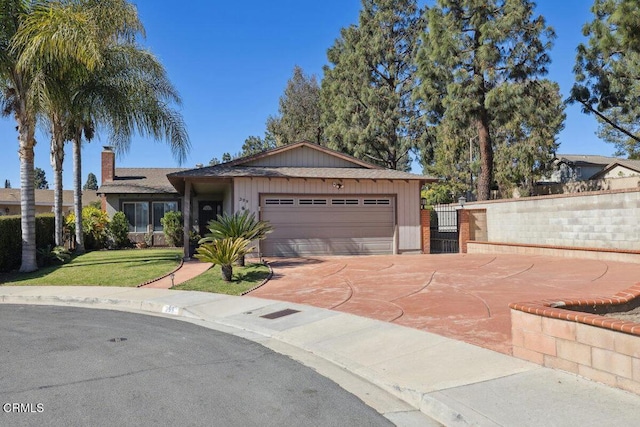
x=281, y=313
x=117, y=339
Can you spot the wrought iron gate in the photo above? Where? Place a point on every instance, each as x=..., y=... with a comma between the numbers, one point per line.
x=444, y=229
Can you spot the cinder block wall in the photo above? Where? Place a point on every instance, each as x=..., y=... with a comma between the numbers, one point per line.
x=606, y=220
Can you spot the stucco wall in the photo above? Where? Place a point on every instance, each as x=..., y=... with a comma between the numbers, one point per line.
x=247, y=191
x=596, y=220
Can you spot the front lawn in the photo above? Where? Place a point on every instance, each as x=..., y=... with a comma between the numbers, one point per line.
x=129, y=267
x=244, y=278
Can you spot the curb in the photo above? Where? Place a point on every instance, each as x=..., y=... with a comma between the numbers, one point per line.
x=264, y=282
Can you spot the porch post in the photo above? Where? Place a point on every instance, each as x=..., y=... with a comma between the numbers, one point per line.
x=186, y=215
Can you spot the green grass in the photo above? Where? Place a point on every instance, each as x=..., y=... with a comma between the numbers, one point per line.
x=244, y=278
x=130, y=267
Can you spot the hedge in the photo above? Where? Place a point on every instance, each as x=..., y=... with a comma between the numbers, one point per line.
x=11, y=238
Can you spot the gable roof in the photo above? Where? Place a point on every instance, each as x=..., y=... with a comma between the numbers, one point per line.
x=296, y=146
x=585, y=159
x=246, y=167
x=633, y=165
x=140, y=181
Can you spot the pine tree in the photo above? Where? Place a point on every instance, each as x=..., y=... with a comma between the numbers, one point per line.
x=608, y=73
x=40, y=179
x=92, y=182
x=299, y=111
x=366, y=97
x=7, y=183
x=479, y=67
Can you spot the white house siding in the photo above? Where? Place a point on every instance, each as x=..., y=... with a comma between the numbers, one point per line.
x=247, y=193
x=303, y=157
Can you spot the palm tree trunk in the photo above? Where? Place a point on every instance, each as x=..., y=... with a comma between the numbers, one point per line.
x=227, y=272
x=57, y=158
x=26, y=140
x=77, y=193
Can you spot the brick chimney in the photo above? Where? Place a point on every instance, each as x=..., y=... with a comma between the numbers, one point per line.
x=108, y=164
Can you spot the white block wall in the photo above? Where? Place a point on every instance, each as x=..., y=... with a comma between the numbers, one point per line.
x=597, y=220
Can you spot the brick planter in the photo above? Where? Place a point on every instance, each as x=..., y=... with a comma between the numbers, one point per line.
x=567, y=335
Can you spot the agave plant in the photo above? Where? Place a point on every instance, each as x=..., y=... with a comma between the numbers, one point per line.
x=224, y=252
x=239, y=225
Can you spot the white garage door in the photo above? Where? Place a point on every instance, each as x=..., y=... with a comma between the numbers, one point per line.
x=331, y=225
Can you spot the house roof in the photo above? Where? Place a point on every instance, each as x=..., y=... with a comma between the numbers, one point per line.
x=140, y=181
x=633, y=165
x=585, y=159
x=11, y=196
x=282, y=149
x=240, y=168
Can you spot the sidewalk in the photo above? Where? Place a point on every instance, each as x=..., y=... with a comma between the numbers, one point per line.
x=453, y=382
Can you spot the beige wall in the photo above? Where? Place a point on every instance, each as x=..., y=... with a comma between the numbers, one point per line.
x=247, y=191
x=302, y=157
x=606, y=220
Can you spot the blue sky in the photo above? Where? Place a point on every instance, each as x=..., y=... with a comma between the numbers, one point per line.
x=230, y=61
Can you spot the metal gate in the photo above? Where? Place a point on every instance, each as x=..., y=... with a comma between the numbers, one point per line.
x=444, y=229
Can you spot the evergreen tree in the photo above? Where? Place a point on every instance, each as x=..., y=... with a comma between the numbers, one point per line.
x=366, y=97
x=40, y=179
x=608, y=73
x=299, y=111
x=7, y=183
x=255, y=144
x=226, y=157
x=92, y=182
x=478, y=67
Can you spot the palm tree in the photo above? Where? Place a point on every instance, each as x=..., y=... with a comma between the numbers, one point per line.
x=125, y=89
x=243, y=225
x=25, y=67
x=224, y=252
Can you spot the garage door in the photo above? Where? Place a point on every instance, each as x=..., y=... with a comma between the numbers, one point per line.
x=305, y=225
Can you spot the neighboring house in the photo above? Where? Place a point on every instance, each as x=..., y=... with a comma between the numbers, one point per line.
x=319, y=201
x=619, y=168
x=10, y=201
x=578, y=167
x=143, y=194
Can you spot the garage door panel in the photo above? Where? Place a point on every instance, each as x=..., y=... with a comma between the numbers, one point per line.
x=309, y=247
x=320, y=227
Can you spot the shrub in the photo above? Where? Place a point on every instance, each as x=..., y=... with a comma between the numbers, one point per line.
x=119, y=231
x=224, y=252
x=173, y=228
x=239, y=225
x=11, y=238
x=49, y=256
x=95, y=225
x=10, y=243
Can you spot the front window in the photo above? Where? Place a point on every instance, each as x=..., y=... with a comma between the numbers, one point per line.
x=159, y=209
x=137, y=214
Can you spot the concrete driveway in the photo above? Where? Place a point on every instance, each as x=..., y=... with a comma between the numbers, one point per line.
x=461, y=296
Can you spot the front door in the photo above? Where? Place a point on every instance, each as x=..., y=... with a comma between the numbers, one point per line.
x=208, y=211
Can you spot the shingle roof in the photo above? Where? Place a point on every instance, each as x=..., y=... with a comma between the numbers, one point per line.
x=11, y=196
x=141, y=181
x=586, y=158
x=225, y=171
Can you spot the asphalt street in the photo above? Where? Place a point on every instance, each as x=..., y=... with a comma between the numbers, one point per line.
x=77, y=367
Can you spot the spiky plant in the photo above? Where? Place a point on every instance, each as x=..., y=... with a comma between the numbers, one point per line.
x=241, y=224
x=224, y=252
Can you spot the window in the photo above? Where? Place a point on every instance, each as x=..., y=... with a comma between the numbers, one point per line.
x=312, y=201
x=159, y=209
x=377, y=201
x=278, y=201
x=344, y=201
x=137, y=214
